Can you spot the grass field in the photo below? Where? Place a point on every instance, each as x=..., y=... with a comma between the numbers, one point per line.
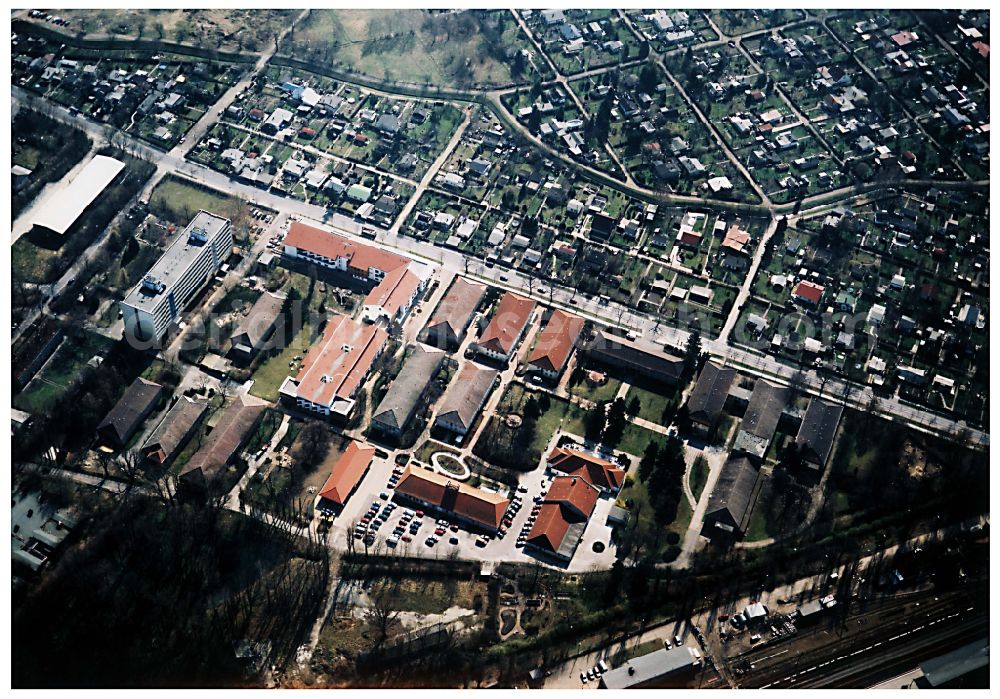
x=50, y=384
x=176, y=196
x=651, y=404
x=635, y=439
x=417, y=46
x=606, y=391
x=226, y=29
x=269, y=376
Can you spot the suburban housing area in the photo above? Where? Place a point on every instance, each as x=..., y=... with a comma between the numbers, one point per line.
x=500, y=348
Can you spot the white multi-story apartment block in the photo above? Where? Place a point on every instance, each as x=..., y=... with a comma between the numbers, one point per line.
x=191, y=260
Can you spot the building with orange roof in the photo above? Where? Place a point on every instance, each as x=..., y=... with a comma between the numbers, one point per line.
x=393, y=297
x=808, y=292
x=335, y=367
x=506, y=327
x=347, y=473
x=733, y=252
x=474, y=507
x=334, y=251
x=555, y=344
x=563, y=517
x=398, y=280
x=603, y=474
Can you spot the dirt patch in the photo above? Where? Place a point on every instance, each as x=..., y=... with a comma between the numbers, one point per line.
x=915, y=460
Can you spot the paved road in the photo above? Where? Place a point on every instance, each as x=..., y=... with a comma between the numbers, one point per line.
x=612, y=314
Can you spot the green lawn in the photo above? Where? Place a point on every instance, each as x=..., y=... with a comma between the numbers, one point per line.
x=652, y=404
x=757, y=530
x=270, y=375
x=176, y=196
x=698, y=477
x=50, y=384
x=606, y=391
x=561, y=413
x=635, y=439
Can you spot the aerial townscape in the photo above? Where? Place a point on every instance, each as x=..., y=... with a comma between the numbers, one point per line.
x=509, y=348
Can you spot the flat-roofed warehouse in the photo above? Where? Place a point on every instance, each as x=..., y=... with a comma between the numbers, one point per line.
x=190, y=261
x=66, y=205
x=661, y=668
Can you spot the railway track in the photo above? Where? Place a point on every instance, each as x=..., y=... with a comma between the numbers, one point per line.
x=866, y=647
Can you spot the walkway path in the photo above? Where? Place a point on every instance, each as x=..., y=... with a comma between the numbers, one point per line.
x=254, y=464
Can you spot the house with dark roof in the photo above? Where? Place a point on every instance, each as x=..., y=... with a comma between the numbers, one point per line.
x=817, y=432
x=174, y=431
x=708, y=398
x=479, y=509
x=642, y=359
x=465, y=398
x=562, y=518
x=205, y=471
x=555, y=344
x=606, y=476
x=346, y=475
x=451, y=319
x=118, y=426
x=760, y=421
x=401, y=401
x=731, y=502
x=257, y=326
x=506, y=328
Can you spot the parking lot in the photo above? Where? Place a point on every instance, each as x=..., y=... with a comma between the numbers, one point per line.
x=419, y=529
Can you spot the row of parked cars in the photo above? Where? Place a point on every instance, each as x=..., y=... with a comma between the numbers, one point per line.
x=594, y=672
x=522, y=538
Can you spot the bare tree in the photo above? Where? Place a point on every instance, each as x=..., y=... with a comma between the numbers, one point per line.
x=382, y=613
x=129, y=463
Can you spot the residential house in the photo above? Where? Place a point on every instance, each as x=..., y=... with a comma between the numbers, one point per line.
x=401, y=400
x=465, y=398
x=506, y=328
x=732, y=500
x=256, y=327
x=347, y=473
x=447, y=326
x=135, y=405
x=817, y=432
x=708, y=398
x=174, y=431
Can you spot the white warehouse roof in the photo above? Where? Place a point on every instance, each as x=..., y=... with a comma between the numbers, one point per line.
x=65, y=206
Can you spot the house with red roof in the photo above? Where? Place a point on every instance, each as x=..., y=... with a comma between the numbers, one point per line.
x=506, y=328
x=335, y=368
x=555, y=344
x=398, y=280
x=606, y=476
x=479, y=509
x=345, y=477
x=807, y=292
x=562, y=518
